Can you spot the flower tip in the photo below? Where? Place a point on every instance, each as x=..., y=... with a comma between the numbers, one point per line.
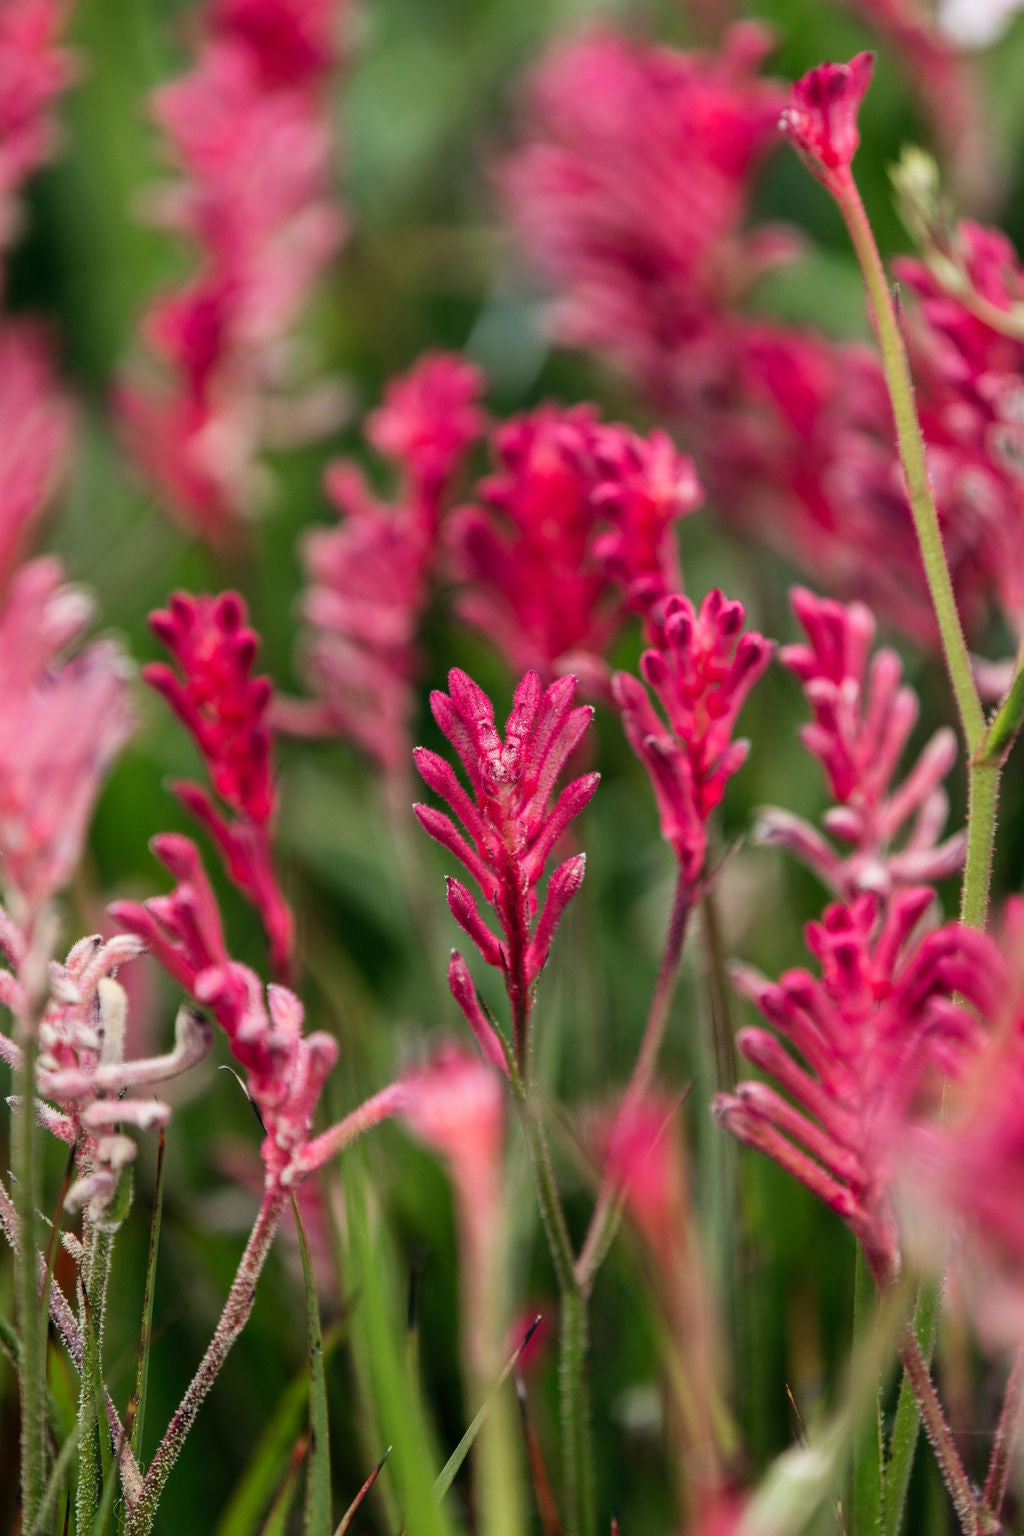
x=821, y=117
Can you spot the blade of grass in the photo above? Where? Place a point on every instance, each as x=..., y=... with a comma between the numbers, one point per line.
x=866, y=1487
x=353, y=1509
x=907, y=1423
x=276, y=1522
x=395, y=1396
x=316, y=1519
x=58, y=1477
x=255, y=1489
x=146, y=1331
x=448, y=1472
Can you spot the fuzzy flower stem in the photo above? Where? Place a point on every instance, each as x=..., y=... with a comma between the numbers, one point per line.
x=237, y=1308
x=605, y=1218
x=1007, y=1435
x=912, y=454
x=574, y=1391
x=974, y=1517
x=31, y=1326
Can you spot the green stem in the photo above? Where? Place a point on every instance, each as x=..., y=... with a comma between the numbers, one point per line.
x=29, y=1313
x=867, y=1513
x=982, y=805
x=573, y=1385
x=912, y=454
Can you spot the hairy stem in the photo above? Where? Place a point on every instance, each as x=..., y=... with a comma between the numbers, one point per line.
x=574, y=1393
x=1006, y=1438
x=975, y=1519
x=605, y=1216
x=912, y=454
x=237, y=1308
x=29, y=1314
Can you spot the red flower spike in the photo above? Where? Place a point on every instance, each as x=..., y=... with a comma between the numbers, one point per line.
x=863, y=718
x=284, y=1069
x=647, y=486
x=702, y=671
x=464, y=993
x=369, y=579
x=38, y=421
x=225, y=710
x=509, y=829
x=821, y=117
x=864, y=1039
x=34, y=69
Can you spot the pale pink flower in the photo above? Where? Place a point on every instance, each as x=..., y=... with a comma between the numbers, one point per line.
x=63, y=720
x=863, y=718
x=860, y=1045
x=510, y=828
x=701, y=668
x=225, y=710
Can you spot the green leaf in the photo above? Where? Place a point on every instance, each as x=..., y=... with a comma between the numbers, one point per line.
x=317, y=1516
x=255, y=1489
x=146, y=1331
x=866, y=1511
x=446, y=1476
x=277, y=1517
x=903, y=1442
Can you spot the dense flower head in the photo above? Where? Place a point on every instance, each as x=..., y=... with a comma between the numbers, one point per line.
x=294, y=42
x=576, y=528
x=701, y=668
x=284, y=1069
x=860, y=1043
x=369, y=579
x=36, y=438
x=821, y=116
x=225, y=710
x=630, y=192
x=34, y=69
x=63, y=719
x=863, y=718
x=509, y=825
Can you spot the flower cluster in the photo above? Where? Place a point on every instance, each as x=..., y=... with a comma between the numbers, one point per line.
x=575, y=529
x=369, y=578
x=701, y=668
x=861, y=1042
x=510, y=829
x=248, y=131
x=62, y=721
x=225, y=709
x=863, y=717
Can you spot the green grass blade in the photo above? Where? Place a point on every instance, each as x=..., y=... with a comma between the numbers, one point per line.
x=58, y=1477
x=317, y=1515
x=353, y=1509
x=276, y=1522
x=146, y=1331
x=903, y=1442
x=448, y=1472
x=256, y=1487
x=866, y=1491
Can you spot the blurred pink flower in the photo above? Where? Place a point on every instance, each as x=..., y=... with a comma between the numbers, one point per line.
x=864, y=1040
x=224, y=708
x=701, y=669
x=63, y=720
x=631, y=190
x=369, y=578
x=863, y=718
x=36, y=438
x=249, y=132
x=510, y=829
x=34, y=69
